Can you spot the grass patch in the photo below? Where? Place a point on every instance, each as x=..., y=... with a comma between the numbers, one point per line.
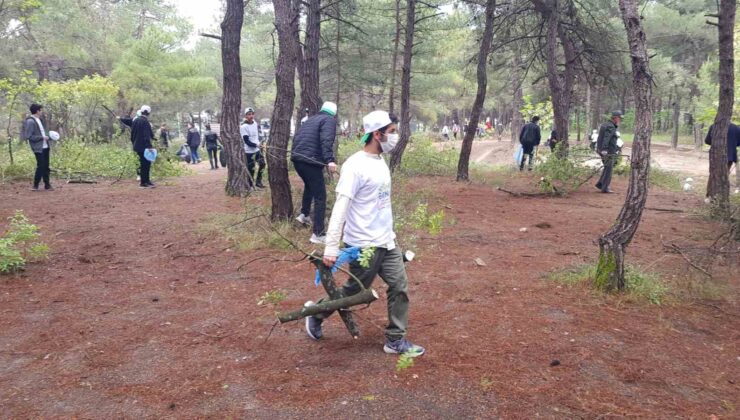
x=640, y=285
x=667, y=180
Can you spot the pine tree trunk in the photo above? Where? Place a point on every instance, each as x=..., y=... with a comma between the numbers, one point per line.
x=718, y=188
x=237, y=181
x=396, y=42
x=613, y=244
x=561, y=83
x=676, y=115
x=480, y=97
x=589, y=111
x=286, y=23
x=408, y=46
x=310, y=97
x=517, y=100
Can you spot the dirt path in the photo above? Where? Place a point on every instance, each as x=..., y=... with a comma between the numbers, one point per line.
x=137, y=315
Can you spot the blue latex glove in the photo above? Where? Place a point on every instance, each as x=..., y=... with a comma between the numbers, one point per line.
x=347, y=255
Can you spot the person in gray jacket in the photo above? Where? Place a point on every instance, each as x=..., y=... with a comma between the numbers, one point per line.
x=34, y=132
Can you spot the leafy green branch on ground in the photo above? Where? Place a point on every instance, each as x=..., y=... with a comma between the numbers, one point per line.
x=21, y=243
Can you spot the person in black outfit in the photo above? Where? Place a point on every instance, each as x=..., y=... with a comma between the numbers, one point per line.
x=35, y=134
x=606, y=146
x=312, y=150
x=529, y=137
x=211, y=146
x=164, y=136
x=733, y=142
x=141, y=139
x=193, y=141
x=553, y=140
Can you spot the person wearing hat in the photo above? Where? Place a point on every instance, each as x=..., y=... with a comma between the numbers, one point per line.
x=34, y=132
x=363, y=217
x=250, y=134
x=141, y=140
x=607, y=147
x=312, y=150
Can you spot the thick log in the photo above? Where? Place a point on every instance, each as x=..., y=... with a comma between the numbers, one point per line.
x=327, y=280
x=365, y=296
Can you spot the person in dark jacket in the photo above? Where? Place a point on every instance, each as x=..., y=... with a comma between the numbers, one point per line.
x=733, y=142
x=529, y=137
x=312, y=150
x=35, y=134
x=608, y=149
x=211, y=139
x=164, y=136
x=193, y=140
x=553, y=140
x=141, y=139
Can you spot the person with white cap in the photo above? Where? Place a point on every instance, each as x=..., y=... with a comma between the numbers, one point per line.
x=249, y=131
x=35, y=134
x=141, y=139
x=363, y=213
x=312, y=150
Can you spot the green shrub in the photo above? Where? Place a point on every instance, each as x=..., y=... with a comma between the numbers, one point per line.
x=20, y=244
x=667, y=180
x=639, y=284
x=564, y=174
x=73, y=158
x=423, y=157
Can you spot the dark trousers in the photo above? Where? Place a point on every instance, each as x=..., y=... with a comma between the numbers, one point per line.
x=145, y=168
x=524, y=158
x=256, y=159
x=42, y=168
x=314, y=190
x=213, y=157
x=389, y=266
x=606, y=174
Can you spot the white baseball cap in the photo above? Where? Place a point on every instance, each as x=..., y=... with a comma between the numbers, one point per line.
x=330, y=108
x=145, y=109
x=374, y=121
x=248, y=110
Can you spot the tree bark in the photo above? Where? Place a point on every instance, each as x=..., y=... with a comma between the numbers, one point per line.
x=237, y=181
x=480, y=97
x=676, y=115
x=364, y=297
x=408, y=46
x=589, y=119
x=517, y=100
x=718, y=187
x=613, y=244
x=561, y=83
x=394, y=64
x=310, y=97
x=286, y=23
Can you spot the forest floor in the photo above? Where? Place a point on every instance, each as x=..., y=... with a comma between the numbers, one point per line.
x=140, y=312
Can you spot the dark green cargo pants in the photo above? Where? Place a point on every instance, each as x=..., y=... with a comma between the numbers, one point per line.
x=389, y=266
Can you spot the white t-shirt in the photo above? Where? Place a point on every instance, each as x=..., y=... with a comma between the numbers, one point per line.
x=43, y=132
x=252, y=131
x=366, y=180
x=445, y=130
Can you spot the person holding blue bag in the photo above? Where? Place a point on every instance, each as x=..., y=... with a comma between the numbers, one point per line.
x=362, y=216
x=141, y=139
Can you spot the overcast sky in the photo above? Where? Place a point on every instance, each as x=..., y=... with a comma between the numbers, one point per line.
x=203, y=14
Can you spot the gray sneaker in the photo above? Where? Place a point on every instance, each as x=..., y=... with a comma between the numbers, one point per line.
x=403, y=346
x=316, y=239
x=303, y=219
x=313, y=324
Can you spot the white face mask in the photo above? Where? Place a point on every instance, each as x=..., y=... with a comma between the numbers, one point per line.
x=390, y=144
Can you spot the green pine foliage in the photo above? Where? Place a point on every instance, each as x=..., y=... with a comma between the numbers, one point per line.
x=20, y=244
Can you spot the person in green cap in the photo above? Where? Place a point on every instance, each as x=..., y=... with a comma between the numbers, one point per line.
x=311, y=152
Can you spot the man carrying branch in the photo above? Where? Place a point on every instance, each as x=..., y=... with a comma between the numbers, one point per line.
x=363, y=207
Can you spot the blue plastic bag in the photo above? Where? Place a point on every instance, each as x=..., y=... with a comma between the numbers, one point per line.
x=518, y=155
x=150, y=155
x=346, y=256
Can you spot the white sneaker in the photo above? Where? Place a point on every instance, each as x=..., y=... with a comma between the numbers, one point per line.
x=318, y=239
x=303, y=219
x=138, y=177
